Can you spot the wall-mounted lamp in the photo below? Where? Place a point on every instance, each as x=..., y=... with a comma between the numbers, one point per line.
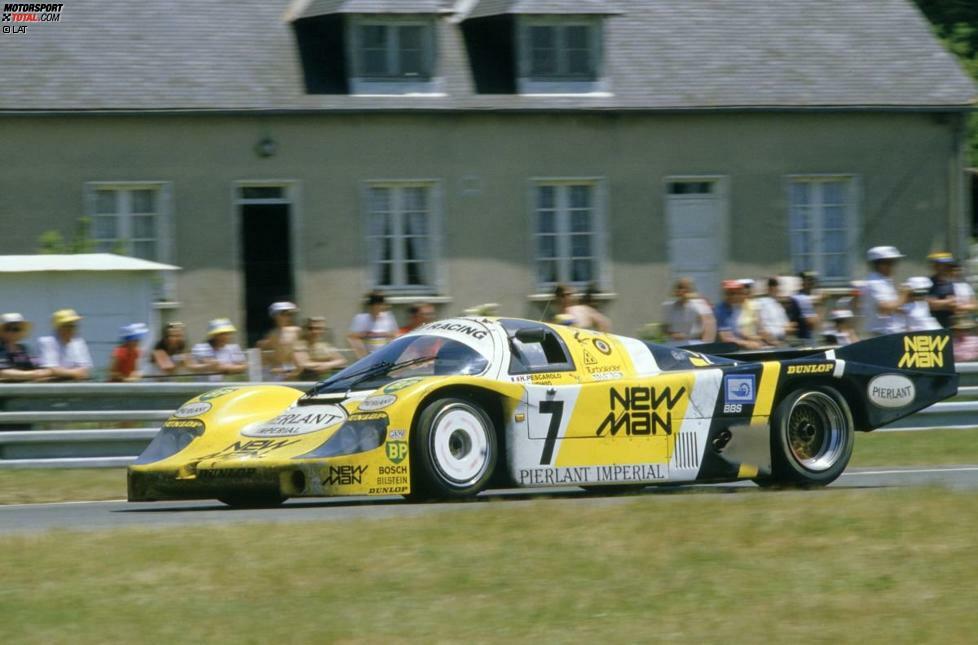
x=266, y=147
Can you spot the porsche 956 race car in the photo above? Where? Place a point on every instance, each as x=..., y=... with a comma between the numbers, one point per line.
x=468, y=403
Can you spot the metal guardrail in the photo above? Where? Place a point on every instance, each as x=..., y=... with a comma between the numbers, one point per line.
x=26, y=410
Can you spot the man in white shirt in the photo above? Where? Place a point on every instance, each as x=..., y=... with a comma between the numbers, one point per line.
x=916, y=311
x=880, y=299
x=65, y=354
x=374, y=328
x=688, y=319
x=771, y=316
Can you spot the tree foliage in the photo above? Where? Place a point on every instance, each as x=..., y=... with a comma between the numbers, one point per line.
x=956, y=23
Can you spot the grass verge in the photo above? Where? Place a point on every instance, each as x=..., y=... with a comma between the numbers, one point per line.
x=875, y=566
x=922, y=448
x=873, y=449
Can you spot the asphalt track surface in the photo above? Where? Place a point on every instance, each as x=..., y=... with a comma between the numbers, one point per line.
x=30, y=518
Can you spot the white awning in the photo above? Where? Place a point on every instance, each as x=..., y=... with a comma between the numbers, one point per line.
x=78, y=262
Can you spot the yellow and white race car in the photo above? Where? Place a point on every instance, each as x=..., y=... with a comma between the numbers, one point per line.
x=467, y=403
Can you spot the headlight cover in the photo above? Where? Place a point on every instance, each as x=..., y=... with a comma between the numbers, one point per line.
x=174, y=436
x=360, y=433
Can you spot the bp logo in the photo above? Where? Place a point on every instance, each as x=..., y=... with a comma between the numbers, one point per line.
x=400, y=385
x=396, y=451
x=213, y=394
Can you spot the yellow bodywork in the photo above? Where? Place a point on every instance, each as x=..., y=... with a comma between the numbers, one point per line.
x=225, y=458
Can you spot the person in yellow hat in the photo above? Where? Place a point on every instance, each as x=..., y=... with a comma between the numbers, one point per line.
x=218, y=355
x=65, y=353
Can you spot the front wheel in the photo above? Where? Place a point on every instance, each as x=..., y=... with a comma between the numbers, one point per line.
x=812, y=436
x=454, y=449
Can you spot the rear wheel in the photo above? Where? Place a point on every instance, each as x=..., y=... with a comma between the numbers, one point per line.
x=455, y=449
x=812, y=437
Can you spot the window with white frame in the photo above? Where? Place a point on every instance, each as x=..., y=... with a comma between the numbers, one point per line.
x=393, y=50
x=128, y=219
x=560, y=54
x=400, y=235
x=567, y=232
x=821, y=212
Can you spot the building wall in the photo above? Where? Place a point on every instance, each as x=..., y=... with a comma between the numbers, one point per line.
x=483, y=162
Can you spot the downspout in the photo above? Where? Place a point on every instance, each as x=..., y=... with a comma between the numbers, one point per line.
x=958, y=230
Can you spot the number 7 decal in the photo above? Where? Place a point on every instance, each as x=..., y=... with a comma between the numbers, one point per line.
x=556, y=411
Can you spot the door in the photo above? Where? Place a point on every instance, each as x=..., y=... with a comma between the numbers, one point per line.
x=696, y=226
x=266, y=254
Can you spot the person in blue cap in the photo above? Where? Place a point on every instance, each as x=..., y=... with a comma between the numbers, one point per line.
x=127, y=354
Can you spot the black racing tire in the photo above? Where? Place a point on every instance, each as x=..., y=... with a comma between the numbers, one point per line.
x=812, y=436
x=253, y=499
x=454, y=450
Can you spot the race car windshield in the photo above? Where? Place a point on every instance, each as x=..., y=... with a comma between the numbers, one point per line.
x=406, y=357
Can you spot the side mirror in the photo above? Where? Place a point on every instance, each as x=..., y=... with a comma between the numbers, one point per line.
x=531, y=335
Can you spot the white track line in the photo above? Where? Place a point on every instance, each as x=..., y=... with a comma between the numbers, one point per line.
x=910, y=471
x=88, y=501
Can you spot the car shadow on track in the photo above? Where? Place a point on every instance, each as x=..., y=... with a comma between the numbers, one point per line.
x=495, y=496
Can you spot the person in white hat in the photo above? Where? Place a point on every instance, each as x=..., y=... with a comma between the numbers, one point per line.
x=842, y=331
x=880, y=299
x=218, y=355
x=65, y=353
x=16, y=363
x=916, y=310
x=278, y=345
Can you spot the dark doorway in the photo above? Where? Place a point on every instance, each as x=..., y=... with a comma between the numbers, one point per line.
x=266, y=258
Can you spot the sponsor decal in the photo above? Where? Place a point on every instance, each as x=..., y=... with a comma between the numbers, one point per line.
x=192, y=410
x=607, y=376
x=368, y=416
x=891, y=391
x=396, y=451
x=640, y=410
x=392, y=476
x=460, y=327
x=604, y=368
x=602, y=346
x=544, y=376
x=813, y=368
x=396, y=435
x=253, y=448
x=589, y=358
x=227, y=473
x=732, y=408
x=388, y=490
x=377, y=402
x=345, y=475
x=213, y=394
x=739, y=388
x=297, y=421
x=191, y=424
x=400, y=385
x=923, y=352
x=591, y=474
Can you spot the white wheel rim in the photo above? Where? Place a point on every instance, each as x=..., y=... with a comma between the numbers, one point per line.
x=460, y=445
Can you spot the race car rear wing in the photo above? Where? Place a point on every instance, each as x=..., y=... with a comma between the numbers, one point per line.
x=925, y=351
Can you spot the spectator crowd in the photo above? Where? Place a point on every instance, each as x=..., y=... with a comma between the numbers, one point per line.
x=778, y=311
x=774, y=314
